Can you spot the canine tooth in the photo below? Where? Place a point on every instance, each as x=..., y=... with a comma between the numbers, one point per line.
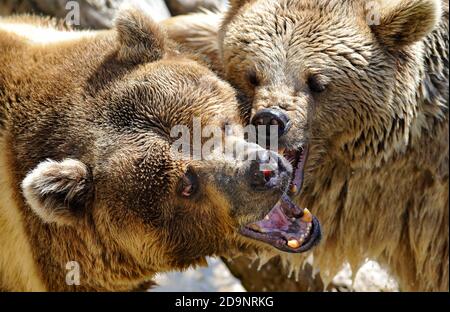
x=293, y=243
x=254, y=227
x=293, y=219
x=307, y=216
x=266, y=218
x=294, y=188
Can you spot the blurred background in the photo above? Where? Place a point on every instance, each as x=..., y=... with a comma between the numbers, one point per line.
x=99, y=14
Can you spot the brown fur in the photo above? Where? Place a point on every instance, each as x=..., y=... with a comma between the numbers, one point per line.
x=86, y=170
x=377, y=174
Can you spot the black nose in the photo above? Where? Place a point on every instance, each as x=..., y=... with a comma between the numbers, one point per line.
x=271, y=117
x=268, y=170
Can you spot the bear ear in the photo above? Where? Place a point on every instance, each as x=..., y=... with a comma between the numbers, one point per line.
x=405, y=22
x=58, y=191
x=140, y=39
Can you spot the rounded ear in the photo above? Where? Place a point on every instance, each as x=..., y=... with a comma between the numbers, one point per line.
x=58, y=191
x=140, y=39
x=405, y=22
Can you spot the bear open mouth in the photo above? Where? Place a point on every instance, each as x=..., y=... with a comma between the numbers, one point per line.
x=297, y=158
x=286, y=227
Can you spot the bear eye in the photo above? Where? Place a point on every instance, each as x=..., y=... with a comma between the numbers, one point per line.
x=253, y=78
x=315, y=84
x=188, y=184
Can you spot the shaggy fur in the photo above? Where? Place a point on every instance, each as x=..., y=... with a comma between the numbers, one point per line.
x=372, y=102
x=86, y=169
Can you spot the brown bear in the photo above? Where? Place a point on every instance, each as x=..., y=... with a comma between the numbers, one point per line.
x=92, y=194
x=359, y=90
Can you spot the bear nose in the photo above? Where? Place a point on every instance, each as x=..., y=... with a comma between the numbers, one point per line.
x=272, y=117
x=269, y=171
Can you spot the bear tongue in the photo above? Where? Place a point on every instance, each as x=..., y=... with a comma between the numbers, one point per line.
x=274, y=221
x=286, y=220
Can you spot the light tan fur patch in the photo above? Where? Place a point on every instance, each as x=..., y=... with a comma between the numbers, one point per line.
x=43, y=35
x=17, y=266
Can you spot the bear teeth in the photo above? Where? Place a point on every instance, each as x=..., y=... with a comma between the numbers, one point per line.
x=307, y=216
x=293, y=243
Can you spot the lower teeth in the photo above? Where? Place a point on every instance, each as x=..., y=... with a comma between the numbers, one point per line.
x=293, y=243
x=294, y=189
x=255, y=227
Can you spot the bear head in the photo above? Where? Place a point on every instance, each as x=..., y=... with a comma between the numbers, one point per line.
x=340, y=78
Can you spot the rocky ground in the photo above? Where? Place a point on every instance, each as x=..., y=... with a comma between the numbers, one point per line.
x=216, y=277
